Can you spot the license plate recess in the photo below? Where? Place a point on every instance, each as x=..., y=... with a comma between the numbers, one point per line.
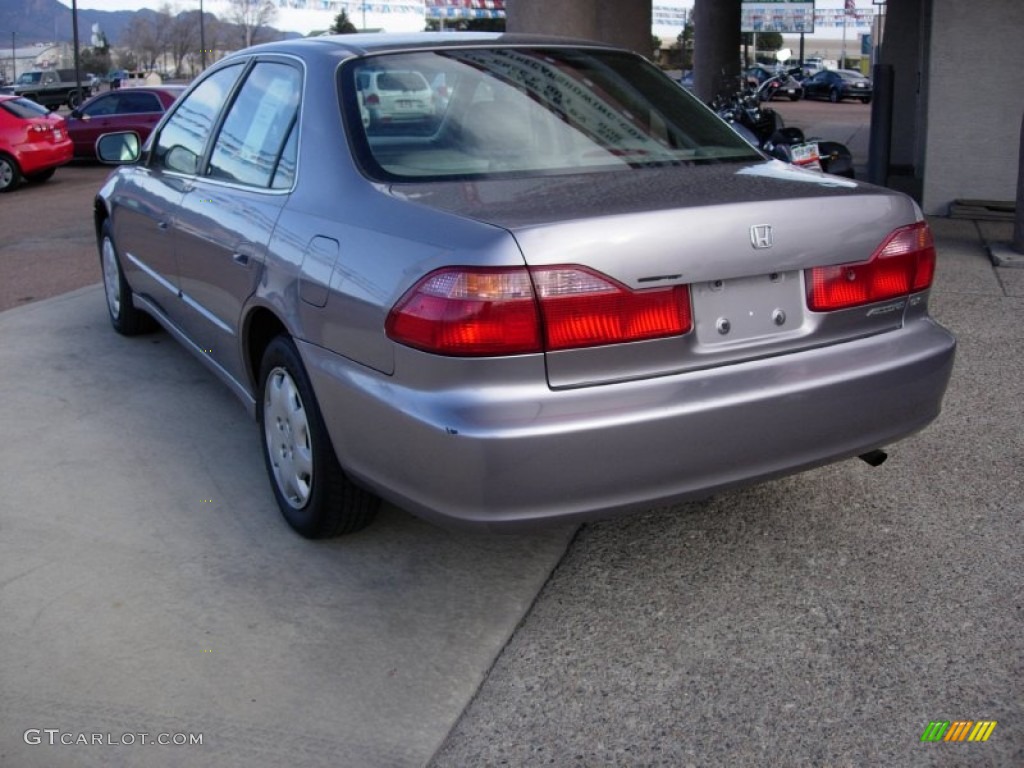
x=748, y=309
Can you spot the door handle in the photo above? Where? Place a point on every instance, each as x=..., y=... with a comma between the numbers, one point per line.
x=245, y=254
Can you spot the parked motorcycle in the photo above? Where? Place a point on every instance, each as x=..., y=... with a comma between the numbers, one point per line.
x=782, y=83
x=762, y=126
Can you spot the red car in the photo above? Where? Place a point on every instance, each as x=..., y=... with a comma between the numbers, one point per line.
x=33, y=142
x=125, y=109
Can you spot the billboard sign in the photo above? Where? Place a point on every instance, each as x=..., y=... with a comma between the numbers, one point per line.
x=789, y=16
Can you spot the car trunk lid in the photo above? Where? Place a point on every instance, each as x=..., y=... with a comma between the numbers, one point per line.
x=740, y=237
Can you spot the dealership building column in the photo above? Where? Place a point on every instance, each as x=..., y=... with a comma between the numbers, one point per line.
x=716, y=45
x=626, y=23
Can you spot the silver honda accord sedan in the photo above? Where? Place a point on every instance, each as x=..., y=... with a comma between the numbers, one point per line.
x=551, y=286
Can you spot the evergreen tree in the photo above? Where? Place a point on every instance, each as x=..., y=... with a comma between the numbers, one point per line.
x=343, y=24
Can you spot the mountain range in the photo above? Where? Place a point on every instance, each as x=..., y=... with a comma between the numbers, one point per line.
x=37, y=21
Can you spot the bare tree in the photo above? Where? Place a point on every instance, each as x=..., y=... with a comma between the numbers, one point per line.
x=145, y=39
x=183, y=37
x=252, y=16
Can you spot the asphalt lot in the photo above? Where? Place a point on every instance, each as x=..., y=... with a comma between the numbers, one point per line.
x=147, y=583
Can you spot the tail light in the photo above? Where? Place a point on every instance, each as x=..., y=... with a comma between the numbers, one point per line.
x=903, y=264
x=373, y=100
x=475, y=312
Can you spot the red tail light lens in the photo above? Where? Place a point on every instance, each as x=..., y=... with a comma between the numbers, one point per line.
x=582, y=308
x=478, y=312
x=469, y=312
x=373, y=100
x=903, y=264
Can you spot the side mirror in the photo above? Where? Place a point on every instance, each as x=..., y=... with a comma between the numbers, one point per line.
x=121, y=148
x=76, y=113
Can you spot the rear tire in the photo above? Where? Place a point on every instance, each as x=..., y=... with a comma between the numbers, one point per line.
x=866, y=100
x=10, y=173
x=315, y=496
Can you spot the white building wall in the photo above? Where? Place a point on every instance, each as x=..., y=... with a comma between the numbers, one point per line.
x=975, y=102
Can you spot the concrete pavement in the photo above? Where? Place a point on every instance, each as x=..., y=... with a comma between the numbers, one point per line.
x=149, y=585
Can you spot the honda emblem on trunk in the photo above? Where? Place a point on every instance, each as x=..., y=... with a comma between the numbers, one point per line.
x=761, y=236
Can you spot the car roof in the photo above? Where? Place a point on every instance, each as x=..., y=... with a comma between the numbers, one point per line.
x=368, y=43
x=175, y=89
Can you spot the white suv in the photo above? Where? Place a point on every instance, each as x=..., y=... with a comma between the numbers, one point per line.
x=390, y=95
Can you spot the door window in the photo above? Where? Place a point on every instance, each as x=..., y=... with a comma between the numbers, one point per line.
x=104, y=105
x=249, y=146
x=183, y=139
x=137, y=102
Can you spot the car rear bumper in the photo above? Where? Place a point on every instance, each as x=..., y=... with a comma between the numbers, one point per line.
x=39, y=157
x=514, y=453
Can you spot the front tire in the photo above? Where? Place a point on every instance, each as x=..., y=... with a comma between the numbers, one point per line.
x=126, y=319
x=10, y=173
x=315, y=496
x=833, y=96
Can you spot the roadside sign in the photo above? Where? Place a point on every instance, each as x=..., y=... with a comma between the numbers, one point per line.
x=792, y=16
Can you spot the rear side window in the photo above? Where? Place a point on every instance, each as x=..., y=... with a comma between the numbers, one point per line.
x=135, y=103
x=258, y=124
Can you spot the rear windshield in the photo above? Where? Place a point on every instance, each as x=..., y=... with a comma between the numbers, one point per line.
x=526, y=111
x=24, y=108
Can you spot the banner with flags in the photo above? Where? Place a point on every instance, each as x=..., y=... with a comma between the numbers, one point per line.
x=465, y=9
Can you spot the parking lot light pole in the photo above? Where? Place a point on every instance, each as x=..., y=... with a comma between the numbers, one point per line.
x=74, y=35
x=1018, y=226
x=202, y=36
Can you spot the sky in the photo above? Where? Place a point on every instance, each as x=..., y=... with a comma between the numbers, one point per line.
x=305, y=21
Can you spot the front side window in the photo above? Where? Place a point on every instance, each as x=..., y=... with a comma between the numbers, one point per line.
x=104, y=105
x=183, y=139
x=468, y=112
x=250, y=143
